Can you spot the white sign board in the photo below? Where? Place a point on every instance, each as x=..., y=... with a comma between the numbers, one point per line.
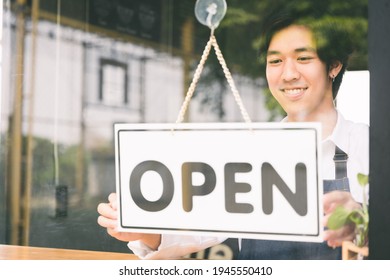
x=258, y=180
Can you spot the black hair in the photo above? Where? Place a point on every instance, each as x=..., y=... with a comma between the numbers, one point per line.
x=332, y=40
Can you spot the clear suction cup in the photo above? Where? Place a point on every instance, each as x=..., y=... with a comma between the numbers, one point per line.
x=210, y=12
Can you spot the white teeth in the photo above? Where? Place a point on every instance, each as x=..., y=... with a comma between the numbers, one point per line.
x=294, y=91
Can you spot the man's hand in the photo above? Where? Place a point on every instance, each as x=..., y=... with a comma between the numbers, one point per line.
x=109, y=218
x=331, y=201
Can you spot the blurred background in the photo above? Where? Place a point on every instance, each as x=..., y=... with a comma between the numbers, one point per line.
x=70, y=69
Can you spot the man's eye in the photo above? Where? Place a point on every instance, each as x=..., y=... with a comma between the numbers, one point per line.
x=274, y=61
x=305, y=58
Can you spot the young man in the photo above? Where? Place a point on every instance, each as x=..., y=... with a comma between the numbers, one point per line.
x=304, y=68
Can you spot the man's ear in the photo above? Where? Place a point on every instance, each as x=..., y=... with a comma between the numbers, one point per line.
x=335, y=68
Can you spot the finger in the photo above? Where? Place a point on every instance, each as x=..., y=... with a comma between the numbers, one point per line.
x=107, y=223
x=106, y=210
x=332, y=199
x=113, y=232
x=333, y=244
x=336, y=237
x=346, y=232
x=112, y=198
x=339, y=242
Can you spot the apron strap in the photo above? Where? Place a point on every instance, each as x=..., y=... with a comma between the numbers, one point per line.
x=340, y=160
x=269, y=249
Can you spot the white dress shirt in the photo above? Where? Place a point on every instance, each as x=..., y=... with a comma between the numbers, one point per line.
x=351, y=137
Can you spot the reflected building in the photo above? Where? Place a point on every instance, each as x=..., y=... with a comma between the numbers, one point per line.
x=69, y=73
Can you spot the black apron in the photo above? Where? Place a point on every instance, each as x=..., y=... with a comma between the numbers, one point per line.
x=253, y=249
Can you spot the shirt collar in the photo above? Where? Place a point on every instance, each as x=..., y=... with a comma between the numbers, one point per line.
x=338, y=134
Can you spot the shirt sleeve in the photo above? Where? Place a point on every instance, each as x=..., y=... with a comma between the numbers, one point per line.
x=359, y=160
x=174, y=246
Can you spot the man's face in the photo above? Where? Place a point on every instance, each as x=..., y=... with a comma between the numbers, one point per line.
x=296, y=76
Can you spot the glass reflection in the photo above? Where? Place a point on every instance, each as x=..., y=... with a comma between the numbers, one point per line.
x=71, y=69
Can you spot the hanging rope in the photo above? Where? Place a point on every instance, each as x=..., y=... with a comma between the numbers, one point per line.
x=194, y=82
x=230, y=80
x=212, y=43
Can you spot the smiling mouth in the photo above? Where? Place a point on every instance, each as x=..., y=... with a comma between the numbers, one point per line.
x=294, y=93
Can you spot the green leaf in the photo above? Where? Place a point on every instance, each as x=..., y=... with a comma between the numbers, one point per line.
x=338, y=218
x=362, y=179
x=357, y=217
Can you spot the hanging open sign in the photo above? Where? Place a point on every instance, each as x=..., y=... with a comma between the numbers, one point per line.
x=258, y=180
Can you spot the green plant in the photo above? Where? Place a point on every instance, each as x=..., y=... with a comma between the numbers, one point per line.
x=359, y=217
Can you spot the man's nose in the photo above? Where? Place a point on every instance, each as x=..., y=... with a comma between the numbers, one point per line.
x=290, y=71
